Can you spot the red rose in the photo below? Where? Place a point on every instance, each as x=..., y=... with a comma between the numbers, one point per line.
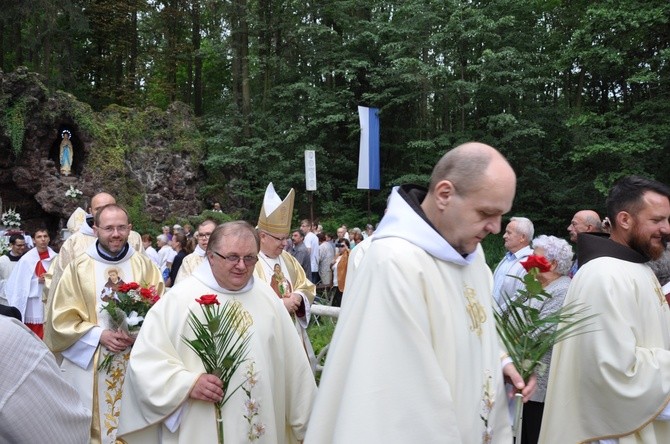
x=125, y=288
x=207, y=299
x=150, y=294
x=539, y=262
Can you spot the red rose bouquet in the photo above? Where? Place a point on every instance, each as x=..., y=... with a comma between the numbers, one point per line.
x=125, y=309
x=526, y=335
x=221, y=342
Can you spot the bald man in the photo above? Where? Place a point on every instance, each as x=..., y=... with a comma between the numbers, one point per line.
x=417, y=334
x=584, y=221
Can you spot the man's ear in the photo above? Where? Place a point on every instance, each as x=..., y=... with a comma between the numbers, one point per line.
x=444, y=191
x=624, y=220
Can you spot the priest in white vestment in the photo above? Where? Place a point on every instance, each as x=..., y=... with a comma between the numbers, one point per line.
x=168, y=397
x=193, y=260
x=415, y=357
x=612, y=384
x=76, y=328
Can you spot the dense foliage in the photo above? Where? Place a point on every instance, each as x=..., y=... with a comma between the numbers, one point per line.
x=575, y=93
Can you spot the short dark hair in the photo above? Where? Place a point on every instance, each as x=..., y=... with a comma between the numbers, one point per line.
x=41, y=229
x=627, y=193
x=14, y=237
x=300, y=232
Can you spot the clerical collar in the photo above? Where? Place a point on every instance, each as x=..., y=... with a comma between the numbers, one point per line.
x=13, y=258
x=594, y=245
x=106, y=255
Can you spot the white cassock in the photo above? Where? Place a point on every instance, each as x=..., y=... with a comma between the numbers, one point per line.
x=23, y=289
x=156, y=407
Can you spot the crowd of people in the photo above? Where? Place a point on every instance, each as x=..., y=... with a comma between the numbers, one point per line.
x=415, y=356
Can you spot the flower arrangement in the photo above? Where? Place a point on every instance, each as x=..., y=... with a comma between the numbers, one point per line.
x=73, y=192
x=221, y=342
x=4, y=245
x=525, y=334
x=11, y=219
x=126, y=308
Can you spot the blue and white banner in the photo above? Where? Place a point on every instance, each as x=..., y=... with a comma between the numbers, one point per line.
x=368, y=157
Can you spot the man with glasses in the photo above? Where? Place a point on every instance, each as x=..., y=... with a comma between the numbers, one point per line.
x=193, y=260
x=79, y=242
x=77, y=328
x=25, y=284
x=17, y=247
x=274, y=225
x=167, y=395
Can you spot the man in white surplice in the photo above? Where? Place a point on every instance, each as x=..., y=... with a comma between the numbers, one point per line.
x=415, y=357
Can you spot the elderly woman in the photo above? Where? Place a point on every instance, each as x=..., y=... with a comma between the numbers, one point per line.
x=555, y=282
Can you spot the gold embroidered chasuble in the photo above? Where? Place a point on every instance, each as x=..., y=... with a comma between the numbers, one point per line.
x=188, y=265
x=73, y=247
x=292, y=269
x=74, y=312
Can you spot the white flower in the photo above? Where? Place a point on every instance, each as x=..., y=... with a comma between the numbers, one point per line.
x=133, y=319
x=259, y=430
x=73, y=192
x=252, y=406
x=108, y=292
x=11, y=219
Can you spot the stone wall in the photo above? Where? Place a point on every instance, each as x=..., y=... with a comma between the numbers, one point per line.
x=149, y=159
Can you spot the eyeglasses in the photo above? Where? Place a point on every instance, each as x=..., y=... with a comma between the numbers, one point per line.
x=234, y=259
x=110, y=229
x=280, y=239
x=204, y=235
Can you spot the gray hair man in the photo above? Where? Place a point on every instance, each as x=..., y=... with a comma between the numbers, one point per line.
x=518, y=234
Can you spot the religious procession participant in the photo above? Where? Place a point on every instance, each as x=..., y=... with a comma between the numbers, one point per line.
x=79, y=242
x=25, y=284
x=75, y=328
x=17, y=247
x=37, y=406
x=415, y=357
x=274, y=225
x=612, y=384
x=193, y=260
x=168, y=397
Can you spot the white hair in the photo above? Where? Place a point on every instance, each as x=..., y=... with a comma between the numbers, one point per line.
x=556, y=249
x=524, y=226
